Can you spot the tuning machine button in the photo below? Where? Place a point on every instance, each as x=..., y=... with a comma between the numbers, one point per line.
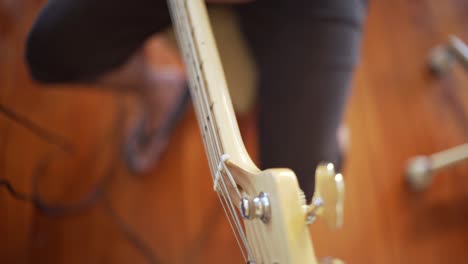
x=327, y=202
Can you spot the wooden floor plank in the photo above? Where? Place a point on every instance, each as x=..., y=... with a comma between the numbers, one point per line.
x=397, y=110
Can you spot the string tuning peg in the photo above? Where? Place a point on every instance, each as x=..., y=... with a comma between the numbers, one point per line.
x=328, y=198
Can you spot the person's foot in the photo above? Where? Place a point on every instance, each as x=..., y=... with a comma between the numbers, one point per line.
x=163, y=104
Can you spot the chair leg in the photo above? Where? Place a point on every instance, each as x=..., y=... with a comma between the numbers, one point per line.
x=443, y=57
x=420, y=169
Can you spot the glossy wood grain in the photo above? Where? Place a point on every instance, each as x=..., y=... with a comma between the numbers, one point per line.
x=397, y=110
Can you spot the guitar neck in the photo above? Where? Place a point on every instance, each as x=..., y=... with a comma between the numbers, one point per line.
x=281, y=237
x=208, y=85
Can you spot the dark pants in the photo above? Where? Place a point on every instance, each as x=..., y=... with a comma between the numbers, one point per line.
x=306, y=51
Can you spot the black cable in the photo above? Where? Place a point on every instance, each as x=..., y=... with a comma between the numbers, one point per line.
x=88, y=200
x=42, y=133
x=130, y=234
x=17, y=195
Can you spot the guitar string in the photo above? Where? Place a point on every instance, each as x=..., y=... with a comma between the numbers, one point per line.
x=254, y=227
x=208, y=112
x=213, y=130
x=254, y=230
x=254, y=234
x=209, y=146
x=230, y=201
x=218, y=174
x=186, y=56
x=222, y=198
x=258, y=235
x=216, y=152
x=233, y=212
x=236, y=219
x=212, y=156
x=225, y=191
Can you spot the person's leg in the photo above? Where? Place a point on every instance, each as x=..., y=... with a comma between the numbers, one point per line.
x=102, y=42
x=82, y=40
x=306, y=53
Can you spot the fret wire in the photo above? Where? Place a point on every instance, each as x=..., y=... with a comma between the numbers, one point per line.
x=218, y=148
x=209, y=146
x=206, y=112
x=209, y=142
x=226, y=198
x=213, y=149
x=202, y=105
x=192, y=75
x=213, y=129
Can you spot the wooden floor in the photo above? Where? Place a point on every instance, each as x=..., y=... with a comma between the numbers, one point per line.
x=397, y=110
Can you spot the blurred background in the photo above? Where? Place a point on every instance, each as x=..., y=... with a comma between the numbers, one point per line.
x=63, y=146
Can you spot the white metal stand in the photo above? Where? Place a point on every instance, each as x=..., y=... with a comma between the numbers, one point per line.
x=420, y=169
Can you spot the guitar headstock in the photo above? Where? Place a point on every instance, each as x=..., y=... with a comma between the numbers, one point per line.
x=266, y=209
x=276, y=215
